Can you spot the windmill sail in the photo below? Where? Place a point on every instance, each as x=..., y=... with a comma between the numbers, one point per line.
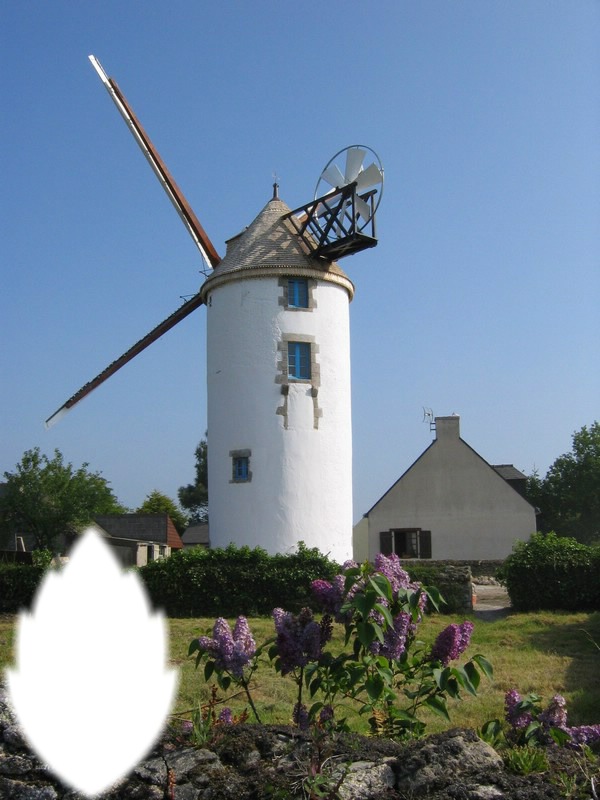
x=159, y=168
x=182, y=312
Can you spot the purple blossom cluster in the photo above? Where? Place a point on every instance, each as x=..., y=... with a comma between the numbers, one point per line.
x=516, y=717
x=330, y=596
x=395, y=638
x=300, y=716
x=554, y=716
x=231, y=651
x=300, y=638
x=452, y=642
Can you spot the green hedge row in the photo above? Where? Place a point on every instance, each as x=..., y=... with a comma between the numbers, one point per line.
x=226, y=582
x=18, y=584
x=553, y=573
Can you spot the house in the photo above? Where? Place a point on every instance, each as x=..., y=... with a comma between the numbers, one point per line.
x=140, y=538
x=449, y=505
x=196, y=536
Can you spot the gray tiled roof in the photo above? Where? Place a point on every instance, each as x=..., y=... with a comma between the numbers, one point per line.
x=508, y=472
x=270, y=242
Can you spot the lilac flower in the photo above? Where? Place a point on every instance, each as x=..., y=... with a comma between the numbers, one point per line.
x=394, y=638
x=326, y=715
x=231, y=651
x=330, y=596
x=555, y=716
x=300, y=716
x=300, y=638
x=226, y=717
x=514, y=715
x=390, y=567
x=452, y=642
x=584, y=734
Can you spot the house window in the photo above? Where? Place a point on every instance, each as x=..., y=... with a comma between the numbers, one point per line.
x=299, y=361
x=406, y=542
x=150, y=553
x=240, y=466
x=298, y=293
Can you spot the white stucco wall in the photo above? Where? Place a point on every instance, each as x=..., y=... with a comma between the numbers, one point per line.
x=301, y=476
x=471, y=511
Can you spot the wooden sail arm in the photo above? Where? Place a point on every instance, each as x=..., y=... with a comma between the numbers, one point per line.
x=176, y=196
x=190, y=305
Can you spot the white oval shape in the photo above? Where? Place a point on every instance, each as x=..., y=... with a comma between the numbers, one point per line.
x=91, y=689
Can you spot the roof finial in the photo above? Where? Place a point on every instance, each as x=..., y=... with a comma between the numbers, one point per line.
x=276, y=187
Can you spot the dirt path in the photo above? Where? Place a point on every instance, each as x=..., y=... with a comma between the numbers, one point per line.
x=492, y=602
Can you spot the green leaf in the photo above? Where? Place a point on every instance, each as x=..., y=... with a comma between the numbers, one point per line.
x=374, y=686
x=484, y=665
x=194, y=645
x=385, y=613
x=464, y=680
x=209, y=668
x=438, y=705
x=473, y=674
x=382, y=586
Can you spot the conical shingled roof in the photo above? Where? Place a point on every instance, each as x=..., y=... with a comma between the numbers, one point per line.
x=270, y=245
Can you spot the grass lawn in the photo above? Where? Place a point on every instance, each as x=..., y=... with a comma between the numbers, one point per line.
x=543, y=652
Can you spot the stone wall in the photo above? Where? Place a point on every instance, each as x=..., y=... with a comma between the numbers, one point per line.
x=253, y=762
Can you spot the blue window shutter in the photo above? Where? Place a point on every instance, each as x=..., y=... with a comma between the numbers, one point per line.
x=299, y=360
x=298, y=292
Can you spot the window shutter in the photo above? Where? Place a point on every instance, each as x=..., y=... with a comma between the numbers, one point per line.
x=385, y=542
x=425, y=544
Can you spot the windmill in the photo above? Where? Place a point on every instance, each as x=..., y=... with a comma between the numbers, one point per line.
x=278, y=355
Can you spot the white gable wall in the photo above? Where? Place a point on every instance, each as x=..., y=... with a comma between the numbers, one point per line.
x=471, y=511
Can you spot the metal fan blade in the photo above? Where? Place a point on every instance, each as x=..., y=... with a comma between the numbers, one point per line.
x=190, y=305
x=354, y=161
x=363, y=208
x=333, y=176
x=369, y=177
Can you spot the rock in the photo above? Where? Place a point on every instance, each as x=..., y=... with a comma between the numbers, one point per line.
x=254, y=762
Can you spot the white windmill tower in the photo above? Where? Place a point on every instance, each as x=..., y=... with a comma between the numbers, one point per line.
x=278, y=357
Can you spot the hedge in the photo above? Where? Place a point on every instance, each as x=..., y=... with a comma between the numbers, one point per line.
x=18, y=585
x=553, y=573
x=229, y=581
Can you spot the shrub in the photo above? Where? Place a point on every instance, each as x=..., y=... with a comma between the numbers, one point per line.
x=552, y=572
x=234, y=580
x=18, y=585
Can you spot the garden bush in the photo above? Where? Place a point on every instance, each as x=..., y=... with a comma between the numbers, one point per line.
x=18, y=585
x=234, y=580
x=453, y=583
x=553, y=573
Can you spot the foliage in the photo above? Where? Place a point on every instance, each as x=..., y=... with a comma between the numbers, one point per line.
x=18, y=585
x=530, y=724
x=383, y=667
x=158, y=503
x=42, y=558
x=525, y=760
x=233, y=580
x=552, y=572
x=47, y=498
x=194, y=496
x=569, y=495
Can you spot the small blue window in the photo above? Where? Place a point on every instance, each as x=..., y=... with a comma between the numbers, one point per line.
x=299, y=360
x=298, y=293
x=241, y=468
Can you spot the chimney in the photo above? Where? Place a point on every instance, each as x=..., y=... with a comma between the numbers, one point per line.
x=447, y=428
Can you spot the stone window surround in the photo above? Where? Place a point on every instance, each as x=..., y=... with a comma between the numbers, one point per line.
x=240, y=454
x=284, y=299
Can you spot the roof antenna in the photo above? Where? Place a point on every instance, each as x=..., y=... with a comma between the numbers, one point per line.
x=428, y=417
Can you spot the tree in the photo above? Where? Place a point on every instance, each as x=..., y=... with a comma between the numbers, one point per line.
x=158, y=503
x=569, y=495
x=194, y=496
x=48, y=498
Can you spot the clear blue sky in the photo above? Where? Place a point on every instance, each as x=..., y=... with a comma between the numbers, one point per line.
x=482, y=297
